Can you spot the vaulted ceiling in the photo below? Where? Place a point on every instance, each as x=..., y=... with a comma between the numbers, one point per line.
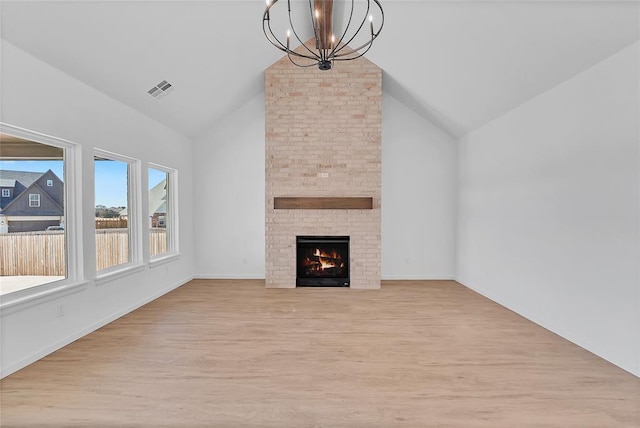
x=458, y=64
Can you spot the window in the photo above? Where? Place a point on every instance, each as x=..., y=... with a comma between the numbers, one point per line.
x=35, y=259
x=34, y=200
x=49, y=183
x=162, y=218
x=115, y=208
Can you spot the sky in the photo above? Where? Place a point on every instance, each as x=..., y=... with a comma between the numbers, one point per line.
x=110, y=176
x=111, y=183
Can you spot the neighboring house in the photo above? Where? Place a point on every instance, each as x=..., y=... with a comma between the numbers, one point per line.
x=157, y=205
x=30, y=201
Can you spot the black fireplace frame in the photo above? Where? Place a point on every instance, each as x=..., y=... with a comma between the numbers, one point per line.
x=333, y=281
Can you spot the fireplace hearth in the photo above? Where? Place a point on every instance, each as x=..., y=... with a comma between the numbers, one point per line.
x=322, y=261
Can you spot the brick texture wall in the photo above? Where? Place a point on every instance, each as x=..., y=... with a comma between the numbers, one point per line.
x=323, y=138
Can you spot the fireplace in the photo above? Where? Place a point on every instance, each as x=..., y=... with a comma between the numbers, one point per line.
x=322, y=261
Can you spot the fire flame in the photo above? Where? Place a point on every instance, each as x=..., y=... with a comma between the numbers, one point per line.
x=326, y=260
x=332, y=255
x=325, y=264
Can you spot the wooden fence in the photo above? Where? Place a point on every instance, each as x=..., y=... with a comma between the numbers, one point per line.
x=42, y=253
x=112, y=247
x=157, y=241
x=111, y=223
x=33, y=253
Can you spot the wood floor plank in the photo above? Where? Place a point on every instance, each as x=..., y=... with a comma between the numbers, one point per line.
x=231, y=353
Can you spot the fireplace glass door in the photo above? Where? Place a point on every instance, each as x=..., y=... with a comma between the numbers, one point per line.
x=322, y=261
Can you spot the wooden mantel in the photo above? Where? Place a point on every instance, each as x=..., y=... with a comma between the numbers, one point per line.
x=326, y=203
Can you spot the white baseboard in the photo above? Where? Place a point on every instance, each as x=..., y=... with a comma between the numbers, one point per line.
x=384, y=278
x=415, y=278
x=91, y=328
x=229, y=276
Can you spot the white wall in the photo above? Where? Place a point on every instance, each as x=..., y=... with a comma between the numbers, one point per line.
x=418, y=202
x=40, y=98
x=419, y=173
x=228, y=165
x=549, y=210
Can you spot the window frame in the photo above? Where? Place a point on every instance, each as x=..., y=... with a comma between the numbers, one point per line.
x=6, y=193
x=34, y=202
x=49, y=182
x=74, y=257
x=171, y=218
x=133, y=219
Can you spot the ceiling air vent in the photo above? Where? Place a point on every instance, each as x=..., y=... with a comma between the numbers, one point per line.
x=160, y=90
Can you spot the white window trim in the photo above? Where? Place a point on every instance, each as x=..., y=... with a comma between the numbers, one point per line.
x=6, y=193
x=73, y=217
x=134, y=203
x=163, y=258
x=34, y=202
x=116, y=272
x=49, y=183
x=172, y=220
x=19, y=300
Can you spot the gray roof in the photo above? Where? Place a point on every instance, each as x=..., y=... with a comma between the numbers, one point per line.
x=26, y=178
x=7, y=182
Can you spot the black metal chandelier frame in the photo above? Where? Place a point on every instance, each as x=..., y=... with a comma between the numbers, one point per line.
x=326, y=52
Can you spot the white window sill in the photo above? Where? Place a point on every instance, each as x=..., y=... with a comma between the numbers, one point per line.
x=111, y=275
x=164, y=258
x=37, y=295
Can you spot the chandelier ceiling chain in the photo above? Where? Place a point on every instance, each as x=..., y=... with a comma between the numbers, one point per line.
x=327, y=48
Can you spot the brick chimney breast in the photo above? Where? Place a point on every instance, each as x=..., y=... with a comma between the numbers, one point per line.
x=323, y=132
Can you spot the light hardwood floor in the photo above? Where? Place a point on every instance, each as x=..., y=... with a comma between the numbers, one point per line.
x=234, y=354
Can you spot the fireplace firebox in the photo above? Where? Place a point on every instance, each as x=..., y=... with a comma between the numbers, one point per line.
x=322, y=261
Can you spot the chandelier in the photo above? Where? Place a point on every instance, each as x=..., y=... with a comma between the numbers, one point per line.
x=331, y=43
